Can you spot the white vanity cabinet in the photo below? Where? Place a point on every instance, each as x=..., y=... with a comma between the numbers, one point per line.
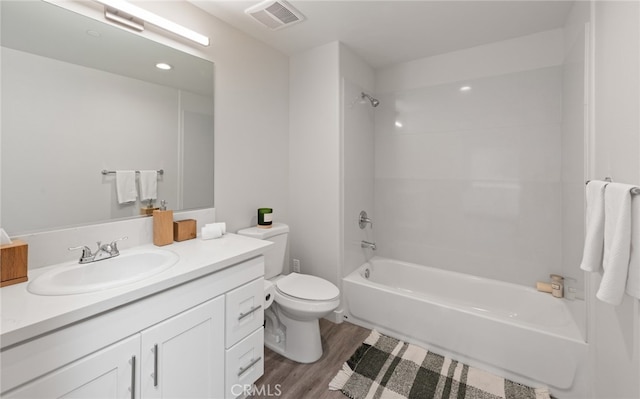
x=183, y=357
x=244, y=356
x=172, y=344
x=108, y=373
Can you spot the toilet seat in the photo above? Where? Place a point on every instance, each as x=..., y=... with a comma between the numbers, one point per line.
x=306, y=287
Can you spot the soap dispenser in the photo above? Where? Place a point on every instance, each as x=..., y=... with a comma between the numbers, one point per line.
x=162, y=225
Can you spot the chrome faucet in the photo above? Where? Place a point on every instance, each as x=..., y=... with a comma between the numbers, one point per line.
x=367, y=244
x=105, y=251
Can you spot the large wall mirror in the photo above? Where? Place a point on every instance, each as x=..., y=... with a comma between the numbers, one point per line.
x=80, y=96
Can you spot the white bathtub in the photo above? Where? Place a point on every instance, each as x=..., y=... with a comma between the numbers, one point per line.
x=511, y=329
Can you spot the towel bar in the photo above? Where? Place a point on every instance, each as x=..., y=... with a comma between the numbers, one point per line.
x=109, y=172
x=634, y=190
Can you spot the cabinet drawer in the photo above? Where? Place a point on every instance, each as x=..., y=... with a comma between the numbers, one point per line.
x=244, y=364
x=245, y=311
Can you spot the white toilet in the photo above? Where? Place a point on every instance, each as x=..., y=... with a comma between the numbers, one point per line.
x=291, y=323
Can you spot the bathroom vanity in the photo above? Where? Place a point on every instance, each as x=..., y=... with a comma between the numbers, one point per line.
x=194, y=330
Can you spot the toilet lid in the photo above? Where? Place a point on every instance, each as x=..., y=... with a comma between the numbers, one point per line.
x=307, y=287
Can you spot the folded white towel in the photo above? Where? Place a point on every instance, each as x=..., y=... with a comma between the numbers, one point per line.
x=148, y=185
x=126, y=186
x=617, y=243
x=633, y=280
x=211, y=231
x=222, y=225
x=594, y=239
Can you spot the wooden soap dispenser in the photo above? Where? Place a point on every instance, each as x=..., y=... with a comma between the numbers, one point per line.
x=162, y=225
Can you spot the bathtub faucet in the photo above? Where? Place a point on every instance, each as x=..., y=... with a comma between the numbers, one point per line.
x=367, y=244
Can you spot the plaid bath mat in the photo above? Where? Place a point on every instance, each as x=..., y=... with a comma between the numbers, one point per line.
x=384, y=367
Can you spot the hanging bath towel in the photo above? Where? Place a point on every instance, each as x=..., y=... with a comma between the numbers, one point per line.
x=617, y=243
x=594, y=239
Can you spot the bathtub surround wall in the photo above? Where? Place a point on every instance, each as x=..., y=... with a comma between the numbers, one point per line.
x=574, y=137
x=357, y=157
x=320, y=159
x=358, y=161
x=468, y=160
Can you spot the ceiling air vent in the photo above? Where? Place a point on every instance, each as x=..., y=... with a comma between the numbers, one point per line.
x=275, y=14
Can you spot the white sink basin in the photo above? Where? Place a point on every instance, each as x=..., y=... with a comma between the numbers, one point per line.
x=130, y=266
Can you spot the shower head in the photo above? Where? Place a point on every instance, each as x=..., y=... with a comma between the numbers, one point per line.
x=373, y=101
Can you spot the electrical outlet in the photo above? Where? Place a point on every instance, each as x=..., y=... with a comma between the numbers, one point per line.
x=296, y=265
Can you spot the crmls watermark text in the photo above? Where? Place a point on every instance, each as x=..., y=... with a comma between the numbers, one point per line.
x=254, y=390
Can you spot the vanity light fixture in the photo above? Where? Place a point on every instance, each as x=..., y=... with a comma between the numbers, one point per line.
x=116, y=10
x=124, y=19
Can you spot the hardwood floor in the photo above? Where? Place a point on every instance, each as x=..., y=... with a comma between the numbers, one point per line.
x=286, y=379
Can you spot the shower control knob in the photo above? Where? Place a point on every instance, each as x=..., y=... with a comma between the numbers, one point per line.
x=363, y=220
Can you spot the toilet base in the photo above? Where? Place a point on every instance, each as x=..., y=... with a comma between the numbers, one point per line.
x=301, y=343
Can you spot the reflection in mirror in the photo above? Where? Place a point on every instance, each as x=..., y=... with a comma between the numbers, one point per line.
x=80, y=96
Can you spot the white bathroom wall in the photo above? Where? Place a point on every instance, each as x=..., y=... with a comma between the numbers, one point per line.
x=251, y=111
x=471, y=180
x=615, y=151
x=314, y=161
x=357, y=157
x=574, y=133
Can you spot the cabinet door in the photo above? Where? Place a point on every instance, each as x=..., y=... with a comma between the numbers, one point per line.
x=108, y=373
x=183, y=357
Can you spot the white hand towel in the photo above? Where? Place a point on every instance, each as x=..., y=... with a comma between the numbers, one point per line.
x=617, y=243
x=222, y=225
x=633, y=280
x=211, y=231
x=126, y=186
x=148, y=185
x=594, y=239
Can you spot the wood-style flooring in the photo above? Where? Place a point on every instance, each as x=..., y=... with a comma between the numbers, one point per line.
x=286, y=379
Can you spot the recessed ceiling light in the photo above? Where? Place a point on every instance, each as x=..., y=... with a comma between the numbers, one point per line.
x=164, y=66
x=398, y=124
x=465, y=88
x=93, y=33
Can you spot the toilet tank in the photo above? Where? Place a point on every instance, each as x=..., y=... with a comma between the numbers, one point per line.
x=274, y=257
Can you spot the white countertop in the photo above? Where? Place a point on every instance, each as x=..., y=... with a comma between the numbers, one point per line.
x=25, y=315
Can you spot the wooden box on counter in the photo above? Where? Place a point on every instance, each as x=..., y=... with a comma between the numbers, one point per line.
x=184, y=229
x=13, y=262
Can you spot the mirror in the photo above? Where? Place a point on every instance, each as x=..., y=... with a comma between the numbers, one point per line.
x=80, y=96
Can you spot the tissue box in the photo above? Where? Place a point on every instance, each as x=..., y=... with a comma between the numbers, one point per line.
x=184, y=229
x=13, y=258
